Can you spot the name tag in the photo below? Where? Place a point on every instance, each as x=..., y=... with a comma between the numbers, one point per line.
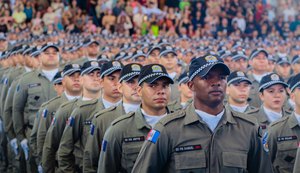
x=34, y=85
x=188, y=148
x=87, y=122
x=286, y=138
x=134, y=139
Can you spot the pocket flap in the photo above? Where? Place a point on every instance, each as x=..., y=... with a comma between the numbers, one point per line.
x=235, y=159
x=190, y=160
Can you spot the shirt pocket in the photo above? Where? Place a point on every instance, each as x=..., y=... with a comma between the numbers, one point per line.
x=234, y=162
x=286, y=155
x=130, y=152
x=190, y=161
x=35, y=99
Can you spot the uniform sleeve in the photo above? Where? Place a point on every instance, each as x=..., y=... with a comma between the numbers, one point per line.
x=258, y=158
x=7, y=112
x=52, y=140
x=66, y=159
x=272, y=143
x=111, y=151
x=155, y=151
x=297, y=162
x=19, y=102
x=3, y=96
x=44, y=123
x=92, y=149
x=33, y=135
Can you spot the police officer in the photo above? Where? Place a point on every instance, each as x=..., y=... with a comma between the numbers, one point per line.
x=79, y=122
x=296, y=64
x=283, y=68
x=72, y=89
x=168, y=58
x=186, y=94
x=102, y=120
x=91, y=51
x=272, y=92
x=259, y=62
x=153, y=54
x=283, y=135
x=57, y=82
x=238, y=89
x=239, y=61
x=204, y=137
x=32, y=90
x=124, y=138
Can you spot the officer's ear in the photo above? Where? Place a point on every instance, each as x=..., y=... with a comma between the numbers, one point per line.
x=120, y=87
x=292, y=96
x=139, y=90
x=261, y=96
x=227, y=90
x=191, y=85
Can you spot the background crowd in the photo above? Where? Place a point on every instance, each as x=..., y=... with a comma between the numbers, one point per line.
x=195, y=18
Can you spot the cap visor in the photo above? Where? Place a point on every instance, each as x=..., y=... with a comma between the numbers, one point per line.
x=273, y=83
x=89, y=70
x=70, y=72
x=153, y=79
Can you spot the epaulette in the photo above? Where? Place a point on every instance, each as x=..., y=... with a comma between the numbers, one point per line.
x=123, y=117
x=87, y=103
x=252, y=111
x=287, y=111
x=279, y=121
x=105, y=110
x=245, y=117
x=55, y=98
x=68, y=103
x=171, y=117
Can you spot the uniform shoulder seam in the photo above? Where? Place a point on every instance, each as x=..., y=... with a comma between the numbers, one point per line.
x=275, y=123
x=255, y=110
x=171, y=117
x=68, y=103
x=105, y=111
x=123, y=117
x=245, y=117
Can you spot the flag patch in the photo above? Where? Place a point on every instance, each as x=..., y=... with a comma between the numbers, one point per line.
x=53, y=121
x=45, y=112
x=92, y=129
x=153, y=136
x=70, y=121
x=104, y=145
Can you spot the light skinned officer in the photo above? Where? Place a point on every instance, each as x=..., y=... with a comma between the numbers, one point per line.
x=283, y=68
x=153, y=54
x=196, y=139
x=239, y=61
x=91, y=51
x=273, y=94
x=284, y=134
x=33, y=90
x=102, y=120
x=238, y=90
x=168, y=58
x=186, y=94
x=72, y=90
x=76, y=132
x=296, y=64
x=259, y=62
x=124, y=138
x=57, y=82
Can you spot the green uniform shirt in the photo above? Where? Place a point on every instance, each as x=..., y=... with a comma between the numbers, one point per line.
x=297, y=162
x=262, y=118
x=32, y=90
x=100, y=123
x=45, y=121
x=183, y=142
x=54, y=133
x=70, y=152
x=283, y=139
x=122, y=142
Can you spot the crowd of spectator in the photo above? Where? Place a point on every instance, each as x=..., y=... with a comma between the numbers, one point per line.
x=195, y=18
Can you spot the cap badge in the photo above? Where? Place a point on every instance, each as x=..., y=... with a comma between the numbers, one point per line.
x=274, y=77
x=94, y=64
x=116, y=63
x=211, y=59
x=75, y=65
x=156, y=69
x=240, y=74
x=135, y=67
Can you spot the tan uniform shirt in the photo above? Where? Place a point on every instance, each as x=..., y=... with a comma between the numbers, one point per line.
x=283, y=139
x=183, y=142
x=54, y=133
x=254, y=97
x=70, y=152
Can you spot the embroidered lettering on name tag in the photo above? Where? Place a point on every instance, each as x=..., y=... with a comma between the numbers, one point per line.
x=188, y=148
x=286, y=138
x=34, y=85
x=134, y=139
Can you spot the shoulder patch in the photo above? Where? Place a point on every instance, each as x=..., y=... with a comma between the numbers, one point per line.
x=173, y=116
x=123, y=117
x=104, y=111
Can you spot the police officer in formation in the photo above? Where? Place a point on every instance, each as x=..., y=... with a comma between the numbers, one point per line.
x=167, y=109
